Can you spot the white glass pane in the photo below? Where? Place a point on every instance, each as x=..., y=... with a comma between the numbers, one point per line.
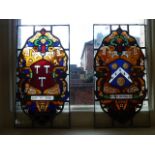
x=123, y=21
x=145, y=79
x=98, y=107
x=124, y=27
x=145, y=106
x=115, y=27
x=38, y=28
x=68, y=62
x=99, y=33
x=23, y=34
x=62, y=32
x=138, y=33
x=144, y=52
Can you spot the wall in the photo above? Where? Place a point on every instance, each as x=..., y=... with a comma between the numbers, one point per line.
x=150, y=40
x=6, y=64
x=87, y=57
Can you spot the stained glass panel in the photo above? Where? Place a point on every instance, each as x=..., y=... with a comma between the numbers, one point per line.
x=120, y=71
x=42, y=75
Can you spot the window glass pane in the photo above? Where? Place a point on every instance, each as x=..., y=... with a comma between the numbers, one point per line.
x=123, y=21
x=62, y=33
x=139, y=33
x=145, y=106
x=114, y=27
x=121, y=82
x=99, y=33
x=38, y=28
x=42, y=75
x=124, y=27
x=23, y=33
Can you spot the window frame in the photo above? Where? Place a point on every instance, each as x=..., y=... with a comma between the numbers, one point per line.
x=150, y=35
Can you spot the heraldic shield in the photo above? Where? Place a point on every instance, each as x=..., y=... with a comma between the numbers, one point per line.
x=119, y=69
x=42, y=70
